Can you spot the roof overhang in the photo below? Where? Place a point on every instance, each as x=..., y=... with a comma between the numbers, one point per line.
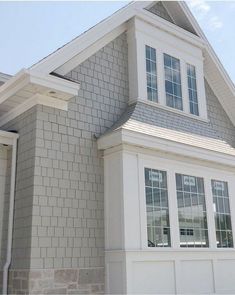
x=124, y=136
x=8, y=138
x=28, y=87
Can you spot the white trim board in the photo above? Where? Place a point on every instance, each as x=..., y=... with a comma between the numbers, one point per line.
x=29, y=103
x=123, y=136
x=8, y=138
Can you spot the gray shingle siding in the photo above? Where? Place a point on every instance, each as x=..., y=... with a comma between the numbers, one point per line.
x=59, y=189
x=25, y=125
x=218, y=126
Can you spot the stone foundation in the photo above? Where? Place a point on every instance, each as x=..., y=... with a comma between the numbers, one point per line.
x=56, y=281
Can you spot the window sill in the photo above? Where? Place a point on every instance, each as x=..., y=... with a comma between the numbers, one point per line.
x=169, y=249
x=160, y=106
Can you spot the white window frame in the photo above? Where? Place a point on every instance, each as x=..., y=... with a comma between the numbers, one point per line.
x=172, y=167
x=164, y=42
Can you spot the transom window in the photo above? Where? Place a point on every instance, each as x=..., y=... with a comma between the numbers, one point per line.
x=191, y=211
x=173, y=82
x=192, y=90
x=158, y=225
x=151, y=70
x=223, y=225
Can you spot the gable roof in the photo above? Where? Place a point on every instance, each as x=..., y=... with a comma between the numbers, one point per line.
x=82, y=47
x=94, y=39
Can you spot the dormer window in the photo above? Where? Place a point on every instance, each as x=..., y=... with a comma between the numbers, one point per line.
x=173, y=82
x=151, y=72
x=192, y=89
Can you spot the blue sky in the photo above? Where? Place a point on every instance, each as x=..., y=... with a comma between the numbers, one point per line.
x=32, y=30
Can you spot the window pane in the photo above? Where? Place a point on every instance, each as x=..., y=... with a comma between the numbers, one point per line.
x=222, y=214
x=173, y=82
x=151, y=73
x=157, y=208
x=192, y=90
x=191, y=211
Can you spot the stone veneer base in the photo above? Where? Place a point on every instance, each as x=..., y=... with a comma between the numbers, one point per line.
x=56, y=281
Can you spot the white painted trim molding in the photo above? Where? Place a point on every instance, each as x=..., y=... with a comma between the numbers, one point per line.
x=9, y=138
x=123, y=136
x=25, y=77
x=34, y=100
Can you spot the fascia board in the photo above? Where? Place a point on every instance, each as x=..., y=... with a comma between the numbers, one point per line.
x=8, y=138
x=60, y=57
x=54, y=83
x=123, y=136
x=4, y=77
x=24, y=77
x=17, y=82
x=93, y=48
x=36, y=99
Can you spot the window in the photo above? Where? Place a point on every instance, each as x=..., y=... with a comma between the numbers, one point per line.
x=173, y=82
x=223, y=225
x=158, y=226
x=191, y=211
x=151, y=70
x=192, y=90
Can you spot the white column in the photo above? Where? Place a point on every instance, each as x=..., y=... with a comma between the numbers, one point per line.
x=210, y=213
x=136, y=64
x=173, y=210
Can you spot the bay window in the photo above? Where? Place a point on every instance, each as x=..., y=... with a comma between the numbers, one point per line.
x=179, y=206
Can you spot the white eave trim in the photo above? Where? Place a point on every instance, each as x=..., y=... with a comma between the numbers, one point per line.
x=54, y=82
x=36, y=99
x=133, y=138
x=25, y=77
x=4, y=77
x=7, y=137
x=92, y=49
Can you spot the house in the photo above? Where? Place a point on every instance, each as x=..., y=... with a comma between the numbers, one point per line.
x=118, y=162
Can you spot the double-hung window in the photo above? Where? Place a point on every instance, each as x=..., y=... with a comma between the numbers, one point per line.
x=191, y=211
x=173, y=82
x=151, y=72
x=158, y=225
x=192, y=90
x=223, y=225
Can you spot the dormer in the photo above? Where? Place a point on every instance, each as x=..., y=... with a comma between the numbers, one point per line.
x=166, y=67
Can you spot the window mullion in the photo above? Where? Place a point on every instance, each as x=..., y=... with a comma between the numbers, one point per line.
x=161, y=80
x=184, y=84
x=174, y=222
x=231, y=190
x=210, y=214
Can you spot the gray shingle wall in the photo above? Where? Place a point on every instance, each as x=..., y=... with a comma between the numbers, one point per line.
x=219, y=120
x=68, y=224
x=219, y=125
x=25, y=125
